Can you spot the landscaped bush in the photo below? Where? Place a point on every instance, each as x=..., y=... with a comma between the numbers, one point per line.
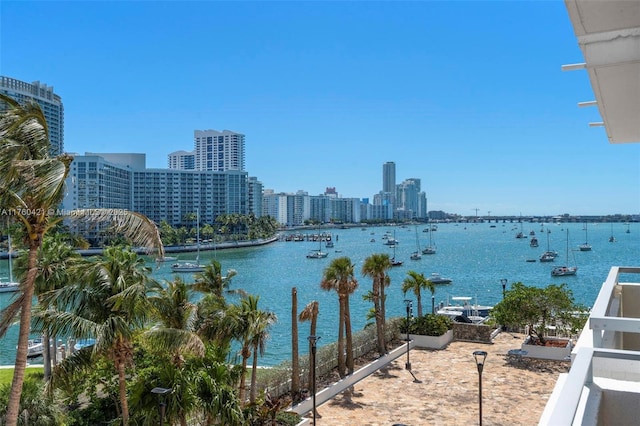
x=427, y=325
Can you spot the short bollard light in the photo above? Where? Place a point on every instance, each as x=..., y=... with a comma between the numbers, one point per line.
x=162, y=405
x=409, y=305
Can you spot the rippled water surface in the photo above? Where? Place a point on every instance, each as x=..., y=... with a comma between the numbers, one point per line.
x=474, y=256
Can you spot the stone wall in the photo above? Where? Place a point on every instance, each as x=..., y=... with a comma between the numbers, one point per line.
x=472, y=332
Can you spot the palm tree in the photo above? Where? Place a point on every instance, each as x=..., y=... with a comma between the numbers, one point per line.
x=262, y=322
x=109, y=303
x=31, y=189
x=338, y=276
x=310, y=313
x=211, y=280
x=417, y=282
x=175, y=333
x=55, y=261
x=376, y=267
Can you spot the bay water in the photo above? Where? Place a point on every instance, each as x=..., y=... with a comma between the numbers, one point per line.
x=475, y=256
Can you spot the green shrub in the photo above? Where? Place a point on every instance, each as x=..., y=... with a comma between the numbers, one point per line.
x=427, y=325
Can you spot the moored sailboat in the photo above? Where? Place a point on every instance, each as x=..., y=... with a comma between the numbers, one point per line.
x=561, y=271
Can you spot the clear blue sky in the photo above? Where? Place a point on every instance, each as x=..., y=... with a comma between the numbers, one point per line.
x=467, y=96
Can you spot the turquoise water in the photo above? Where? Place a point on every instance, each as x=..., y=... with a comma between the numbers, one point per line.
x=474, y=256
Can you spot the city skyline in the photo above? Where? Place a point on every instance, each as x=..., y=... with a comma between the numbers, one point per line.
x=491, y=125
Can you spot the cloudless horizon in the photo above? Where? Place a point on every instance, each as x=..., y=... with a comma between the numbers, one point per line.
x=466, y=96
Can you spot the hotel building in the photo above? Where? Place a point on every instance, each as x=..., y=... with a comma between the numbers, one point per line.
x=50, y=103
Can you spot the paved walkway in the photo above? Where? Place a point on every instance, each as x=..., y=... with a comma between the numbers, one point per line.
x=445, y=389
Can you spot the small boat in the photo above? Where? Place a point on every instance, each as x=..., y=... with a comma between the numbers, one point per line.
x=35, y=347
x=612, y=239
x=431, y=248
x=11, y=285
x=166, y=259
x=416, y=254
x=373, y=240
x=533, y=242
x=549, y=255
x=461, y=310
x=436, y=278
x=191, y=266
x=586, y=246
x=329, y=244
x=563, y=271
x=394, y=261
x=84, y=343
x=317, y=254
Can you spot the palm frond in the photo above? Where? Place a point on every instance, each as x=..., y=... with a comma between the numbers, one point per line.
x=135, y=226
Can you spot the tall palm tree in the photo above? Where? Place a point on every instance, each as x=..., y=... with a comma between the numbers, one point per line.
x=376, y=267
x=417, y=282
x=109, y=303
x=262, y=322
x=310, y=313
x=55, y=261
x=339, y=277
x=31, y=189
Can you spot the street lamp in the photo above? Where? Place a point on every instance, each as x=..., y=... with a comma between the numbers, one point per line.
x=162, y=405
x=312, y=341
x=480, y=356
x=408, y=303
x=503, y=281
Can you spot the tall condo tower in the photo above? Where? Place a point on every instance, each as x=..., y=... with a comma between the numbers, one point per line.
x=389, y=177
x=50, y=103
x=218, y=151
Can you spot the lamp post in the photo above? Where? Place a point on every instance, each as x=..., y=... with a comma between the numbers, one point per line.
x=408, y=303
x=162, y=405
x=503, y=281
x=312, y=341
x=480, y=356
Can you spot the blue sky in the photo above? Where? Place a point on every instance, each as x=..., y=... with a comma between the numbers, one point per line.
x=466, y=96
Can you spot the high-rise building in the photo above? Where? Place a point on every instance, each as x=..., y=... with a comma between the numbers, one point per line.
x=182, y=160
x=389, y=177
x=50, y=103
x=218, y=151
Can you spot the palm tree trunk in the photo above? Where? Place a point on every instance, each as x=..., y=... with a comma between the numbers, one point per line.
x=122, y=384
x=295, y=363
x=242, y=378
x=254, y=375
x=314, y=325
x=46, y=355
x=341, y=360
x=419, y=300
x=13, y=406
x=349, y=335
x=377, y=283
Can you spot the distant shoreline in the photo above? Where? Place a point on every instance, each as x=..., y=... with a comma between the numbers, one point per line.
x=183, y=248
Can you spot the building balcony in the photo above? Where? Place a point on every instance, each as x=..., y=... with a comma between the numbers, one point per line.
x=603, y=384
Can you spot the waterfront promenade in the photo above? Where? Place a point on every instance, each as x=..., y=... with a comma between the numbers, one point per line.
x=446, y=389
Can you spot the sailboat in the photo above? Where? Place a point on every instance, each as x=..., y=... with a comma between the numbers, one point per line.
x=189, y=266
x=6, y=287
x=612, y=239
x=561, y=271
x=318, y=254
x=549, y=255
x=416, y=254
x=520, y=234
x=586, y=246
x=394, y=261
x=430, y=249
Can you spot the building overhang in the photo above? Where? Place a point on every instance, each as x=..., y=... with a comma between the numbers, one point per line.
x=608, y=33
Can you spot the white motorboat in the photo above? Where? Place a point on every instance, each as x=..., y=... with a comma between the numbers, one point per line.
x=35, y=347
x=462, y=310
